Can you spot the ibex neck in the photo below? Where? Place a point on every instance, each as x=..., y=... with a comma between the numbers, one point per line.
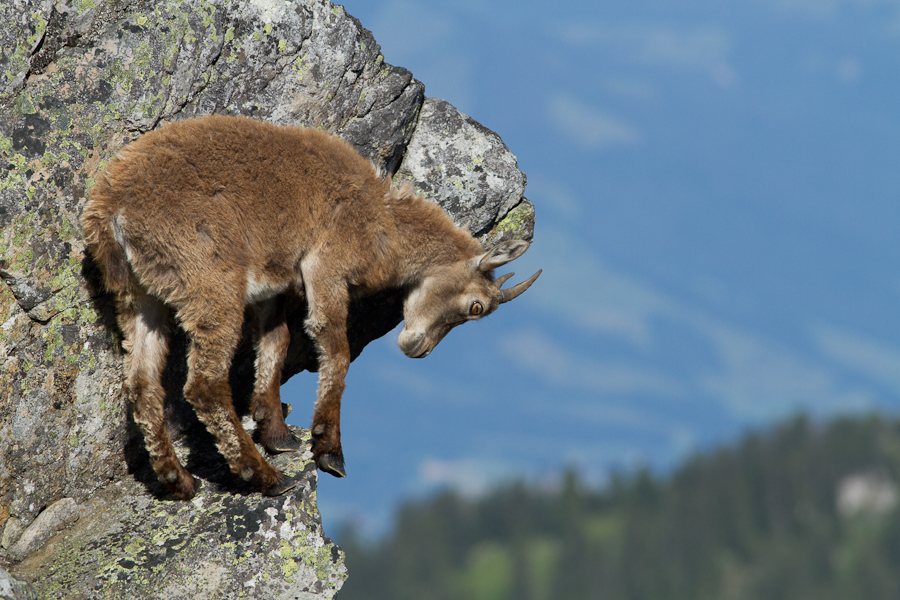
x=427, y=238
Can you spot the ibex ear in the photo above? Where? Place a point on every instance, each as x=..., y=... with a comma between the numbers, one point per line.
x=500, y=254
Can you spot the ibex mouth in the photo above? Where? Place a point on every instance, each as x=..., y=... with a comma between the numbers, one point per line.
x=418, y=351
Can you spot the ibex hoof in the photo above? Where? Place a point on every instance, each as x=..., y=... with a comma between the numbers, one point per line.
x=332, y=464
x=284, y=484
x=184, y=490
x=285, y=409
x=286, y=443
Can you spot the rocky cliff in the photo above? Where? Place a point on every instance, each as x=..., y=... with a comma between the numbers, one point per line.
x=81, y=514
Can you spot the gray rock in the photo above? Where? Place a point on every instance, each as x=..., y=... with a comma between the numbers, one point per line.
x=463, y=166
x=55, y=517
x=14, y=589
x=12, y=531
x=26, y=295
x=78, y=80
x=228, y=542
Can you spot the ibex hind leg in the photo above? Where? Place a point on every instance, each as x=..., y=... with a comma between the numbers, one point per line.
x=207, y=389
x=144, y=321
x=272, y=339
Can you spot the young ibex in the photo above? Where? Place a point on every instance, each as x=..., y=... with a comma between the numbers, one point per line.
x=205, y=217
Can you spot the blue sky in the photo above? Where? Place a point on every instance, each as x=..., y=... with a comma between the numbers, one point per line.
x=717, y=187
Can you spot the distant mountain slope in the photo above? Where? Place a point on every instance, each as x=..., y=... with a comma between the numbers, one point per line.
x=803, y=511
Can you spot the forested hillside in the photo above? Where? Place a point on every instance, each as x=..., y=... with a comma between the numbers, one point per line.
x=804, y=511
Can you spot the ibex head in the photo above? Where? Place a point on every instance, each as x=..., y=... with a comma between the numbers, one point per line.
x=451, y=295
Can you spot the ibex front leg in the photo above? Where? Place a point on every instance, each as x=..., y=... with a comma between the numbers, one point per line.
x=327, y=325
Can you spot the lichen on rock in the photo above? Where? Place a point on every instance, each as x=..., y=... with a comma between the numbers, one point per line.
x=228, y=542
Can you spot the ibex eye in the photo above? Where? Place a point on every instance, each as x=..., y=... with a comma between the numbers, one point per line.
x=476, y=309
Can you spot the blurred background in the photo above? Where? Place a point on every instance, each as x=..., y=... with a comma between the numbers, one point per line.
x=716, y=188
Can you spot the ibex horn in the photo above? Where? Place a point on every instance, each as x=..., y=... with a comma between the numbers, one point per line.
x=508, y=294
x=502, y=279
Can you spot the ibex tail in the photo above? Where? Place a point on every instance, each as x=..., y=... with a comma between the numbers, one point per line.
x=100, y=226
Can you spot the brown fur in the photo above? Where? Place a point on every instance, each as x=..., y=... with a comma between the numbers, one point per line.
x=207, y=216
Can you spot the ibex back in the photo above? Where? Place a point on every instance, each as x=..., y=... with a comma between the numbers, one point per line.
x=205, y=217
